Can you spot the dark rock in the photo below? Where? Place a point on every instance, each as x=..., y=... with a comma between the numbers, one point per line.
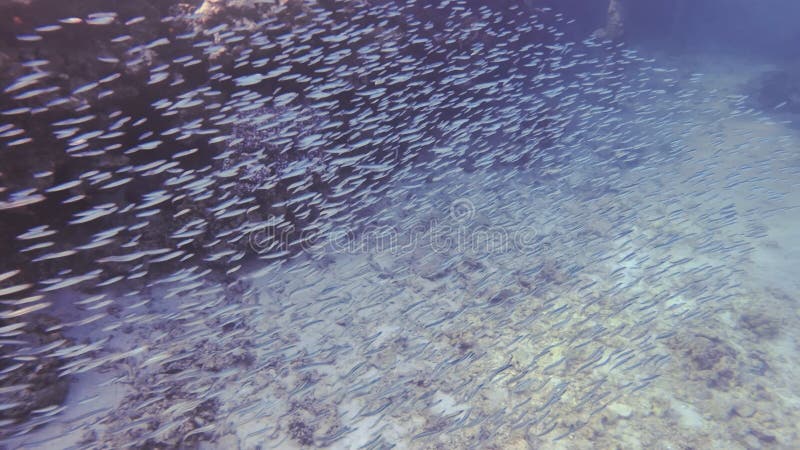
x=777, y=91
x=301, y=432
x=763, y=437
x=709, y=359
x=761, y=324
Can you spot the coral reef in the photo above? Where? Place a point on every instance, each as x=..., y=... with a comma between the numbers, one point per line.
x=35, y=389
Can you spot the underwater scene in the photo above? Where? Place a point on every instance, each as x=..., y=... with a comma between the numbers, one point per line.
x=399, y=224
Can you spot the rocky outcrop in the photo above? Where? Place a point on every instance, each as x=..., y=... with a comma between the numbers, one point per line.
x=777, y=91
x=615, y=26
x=212, y=8
x=36, y=389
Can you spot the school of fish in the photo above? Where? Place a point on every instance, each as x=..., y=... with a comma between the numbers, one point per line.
x=183, y=257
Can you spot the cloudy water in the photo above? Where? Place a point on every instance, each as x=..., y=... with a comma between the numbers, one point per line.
x=345, y=224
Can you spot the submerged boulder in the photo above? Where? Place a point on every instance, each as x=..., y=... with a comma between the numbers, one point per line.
x=777, y=90
x=615, y=25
